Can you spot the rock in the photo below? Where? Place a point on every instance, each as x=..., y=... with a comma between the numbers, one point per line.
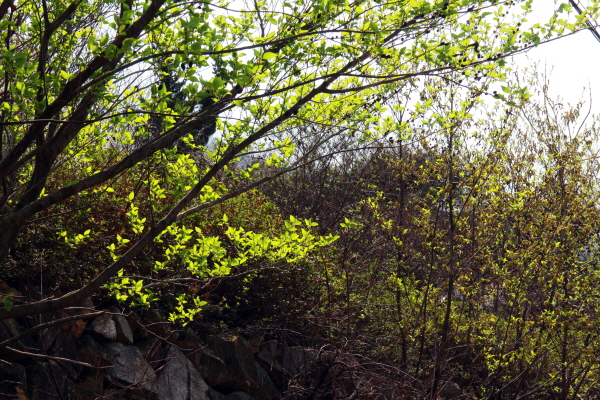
x=270, y=347
x=237, y=355
x=64, y=347
x=12, y=379
x=211, y=367
x=192, y=350
x=272, y=367
x=254, y=339
x=179, y=380
x=47, y=381
x=130, y=368
x=266, y=383
x=124, y=333
x=103, y=329
x=138, y=329
x=214, y=395
x=92, y=353
x=10, y=328
x=75, y=328
x=153, y=351
x=239, y=396
x=47, y=335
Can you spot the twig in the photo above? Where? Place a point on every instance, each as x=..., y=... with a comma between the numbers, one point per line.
x=45, y=325
x=53, y=358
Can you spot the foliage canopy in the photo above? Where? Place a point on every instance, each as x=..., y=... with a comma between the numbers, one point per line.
x=111, y=101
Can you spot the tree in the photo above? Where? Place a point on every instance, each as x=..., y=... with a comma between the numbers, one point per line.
x=520, y=234
x=77, y=91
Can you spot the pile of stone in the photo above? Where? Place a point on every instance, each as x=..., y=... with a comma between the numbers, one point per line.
x=117, y=356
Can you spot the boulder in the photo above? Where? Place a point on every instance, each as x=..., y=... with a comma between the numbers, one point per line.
x=275, y=371
x=75, y=328
x=47, y=335
x=138, y=329
x=153, y=351
x=270, y=346
x=12, y=379
x=64, y=347
x=214, y=395
x=254, y=339
x=10, y=328
x=91, y=352
x=124, y=332
x=103, y=329
x=129, y=368
x=266, y=384
x=239, y=395
x=237, y=355
x=211, y=367
x=179, y=380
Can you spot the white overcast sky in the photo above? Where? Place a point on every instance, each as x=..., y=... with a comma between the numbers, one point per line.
x=574, y=61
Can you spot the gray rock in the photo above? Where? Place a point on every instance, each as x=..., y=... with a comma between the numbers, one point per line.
x=211, y=367
x=10, y=328
x=214, y=395
x=276, y=372
x=47, y=335
x=179, y=380
x=237, y=355
x=153, y=351
x=103, y=329
x=12, y=378
x=92, y=353
x=137, y=327
x=239, y=396
x=266, y=383
x=269, y=346
x=254, y=339
x=124, y=332
x=64, y=347
x=130, y=368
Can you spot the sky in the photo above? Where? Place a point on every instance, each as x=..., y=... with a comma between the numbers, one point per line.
x=573, y=62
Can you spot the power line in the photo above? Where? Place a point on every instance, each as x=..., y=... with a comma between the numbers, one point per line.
x=591, y=26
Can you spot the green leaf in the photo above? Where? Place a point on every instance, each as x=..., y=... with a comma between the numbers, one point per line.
x=268, y=55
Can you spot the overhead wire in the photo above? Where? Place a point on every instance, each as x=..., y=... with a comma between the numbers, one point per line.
x=591, y=26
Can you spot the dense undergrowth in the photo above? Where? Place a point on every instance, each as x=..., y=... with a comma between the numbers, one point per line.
x=465, y=255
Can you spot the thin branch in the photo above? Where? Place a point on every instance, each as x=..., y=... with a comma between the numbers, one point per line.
x=46, y=325
x=36, y=355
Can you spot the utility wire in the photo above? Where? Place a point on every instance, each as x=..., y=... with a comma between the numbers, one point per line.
x=591, y=26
